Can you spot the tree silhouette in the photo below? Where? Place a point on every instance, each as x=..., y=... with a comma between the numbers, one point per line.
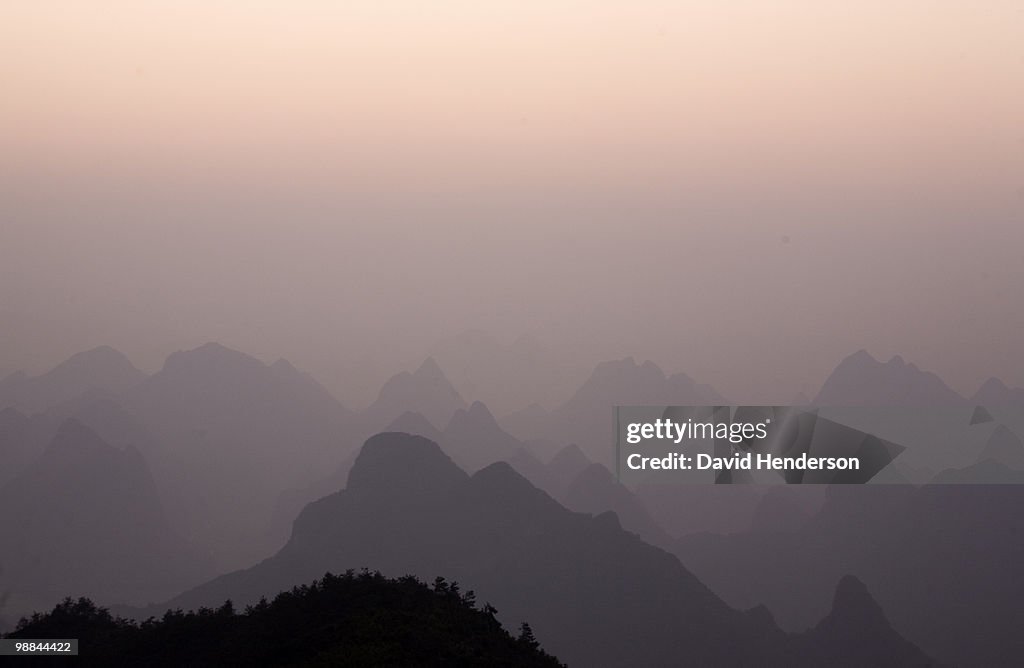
x=351, y=619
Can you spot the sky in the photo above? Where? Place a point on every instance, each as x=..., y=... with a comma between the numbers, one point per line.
x=745, y=191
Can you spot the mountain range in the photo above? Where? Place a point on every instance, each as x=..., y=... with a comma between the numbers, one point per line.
x=595, y=595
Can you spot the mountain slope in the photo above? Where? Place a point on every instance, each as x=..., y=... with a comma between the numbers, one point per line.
x=943, y=560
x=594, y=594
x=861, y=380
x=85, y=518
x=232, y=433
x=101, y=368
x=426, y=391
x=595, y=490
x=587, y=417
x=473, y=438
x=838, y=639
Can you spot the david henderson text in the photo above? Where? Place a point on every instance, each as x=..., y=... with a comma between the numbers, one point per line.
x=741, y=461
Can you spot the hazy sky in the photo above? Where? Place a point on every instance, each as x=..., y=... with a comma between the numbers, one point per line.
x=746, y=191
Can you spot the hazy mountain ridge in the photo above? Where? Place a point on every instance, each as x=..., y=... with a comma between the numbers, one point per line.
x=219, y=415
x=587, y=417
x=232, y=433
x=426, y=391
x=862, y=380
x=101, y=368
x=409, y=509
x=509, y=377
x=85, y=518
x=943, y=560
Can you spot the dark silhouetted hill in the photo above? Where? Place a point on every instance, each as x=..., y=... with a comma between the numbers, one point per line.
x=348, y=620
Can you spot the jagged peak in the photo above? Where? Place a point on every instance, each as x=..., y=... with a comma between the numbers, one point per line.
x=284, y=365
x=860, y=358
x=476, y=414
x=993, y=384
x=429, y=369
x=854, y=604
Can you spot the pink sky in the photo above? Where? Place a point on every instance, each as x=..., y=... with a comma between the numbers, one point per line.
x=743, y=190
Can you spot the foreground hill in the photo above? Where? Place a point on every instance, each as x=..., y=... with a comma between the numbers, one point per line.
x=352, y=620
x=595, y=594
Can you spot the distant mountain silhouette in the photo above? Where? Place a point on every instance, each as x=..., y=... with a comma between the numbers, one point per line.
x=943, y=560
x=85, y=519
x=350, y=620
x=1004, y=447
x=994, y=392
x=595, y=491
x=861, y=380
x=587, y=417
x=426, y=391
x=411, y=422
x=101, y=368
x=594, y=594
x=506, y=377
x=231, y=434
x=473, y=438
x=564, y=468
x=838, y=640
